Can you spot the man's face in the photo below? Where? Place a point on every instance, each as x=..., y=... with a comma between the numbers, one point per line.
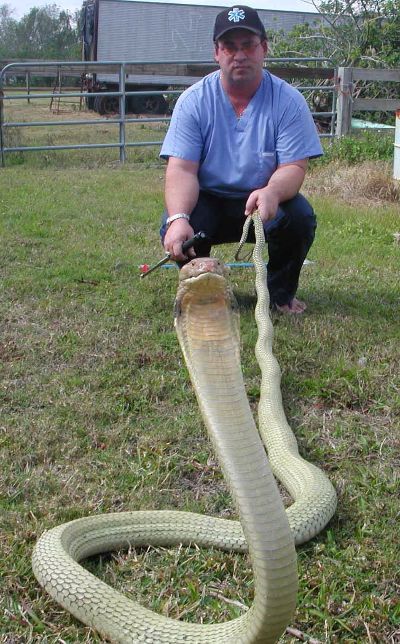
x=240, y=54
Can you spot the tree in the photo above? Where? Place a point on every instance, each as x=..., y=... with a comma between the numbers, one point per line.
x=8, y=37
x=353, y=33
x=46, y=32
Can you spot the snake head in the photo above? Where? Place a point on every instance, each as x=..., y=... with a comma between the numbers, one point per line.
x=200, y=266
x=202, y=282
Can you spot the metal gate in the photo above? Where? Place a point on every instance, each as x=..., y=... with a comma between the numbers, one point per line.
x=172, y=74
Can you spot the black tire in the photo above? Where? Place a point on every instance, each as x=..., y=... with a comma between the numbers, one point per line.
x=106, y=104
x=149, y=105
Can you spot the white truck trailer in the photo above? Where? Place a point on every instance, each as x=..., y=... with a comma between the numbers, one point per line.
x=144, y=32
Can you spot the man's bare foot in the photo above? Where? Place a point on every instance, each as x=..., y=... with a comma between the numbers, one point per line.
x=294, y=308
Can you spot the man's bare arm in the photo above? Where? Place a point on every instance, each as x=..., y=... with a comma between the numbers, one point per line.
x=181, y=196
x=284, y=184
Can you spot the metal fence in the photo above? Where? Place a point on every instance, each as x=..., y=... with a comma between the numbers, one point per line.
x=170, y=74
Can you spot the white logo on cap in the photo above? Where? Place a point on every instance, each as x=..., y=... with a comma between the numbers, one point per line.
x=236, y=14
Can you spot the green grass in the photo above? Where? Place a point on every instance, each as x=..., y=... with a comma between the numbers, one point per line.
x=98, y=414
x=103, y=132
x=360, y=146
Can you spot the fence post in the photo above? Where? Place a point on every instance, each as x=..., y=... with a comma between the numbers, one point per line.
x=122, y=135
x=28, y=85
x=345, y=101
x=396, y=163
x=1, y=129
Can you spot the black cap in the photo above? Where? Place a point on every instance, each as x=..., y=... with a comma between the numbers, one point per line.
x=238, y=17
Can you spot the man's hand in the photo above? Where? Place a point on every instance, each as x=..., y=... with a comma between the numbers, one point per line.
x=284, y=184
x=178, y=232
x=263, y=200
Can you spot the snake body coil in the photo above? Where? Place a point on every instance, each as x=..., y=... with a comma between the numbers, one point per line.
x=207, y=326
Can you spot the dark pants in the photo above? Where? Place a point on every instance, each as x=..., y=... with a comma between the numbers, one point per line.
x=289, y=236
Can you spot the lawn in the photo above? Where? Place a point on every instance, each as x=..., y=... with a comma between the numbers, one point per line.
x=92, y=129
x=98, y=414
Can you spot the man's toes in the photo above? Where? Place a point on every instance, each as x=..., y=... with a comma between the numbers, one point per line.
x=294, y=308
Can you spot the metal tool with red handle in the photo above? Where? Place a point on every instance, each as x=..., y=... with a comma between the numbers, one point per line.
x=145, y=269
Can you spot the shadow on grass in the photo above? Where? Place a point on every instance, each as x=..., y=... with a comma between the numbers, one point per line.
x=368, y=304
x=246, y=301
x=371, y=304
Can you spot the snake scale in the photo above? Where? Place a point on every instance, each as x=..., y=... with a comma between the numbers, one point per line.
x=206, y=322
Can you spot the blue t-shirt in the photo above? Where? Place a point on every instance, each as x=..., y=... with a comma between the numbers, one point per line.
x=238, y=155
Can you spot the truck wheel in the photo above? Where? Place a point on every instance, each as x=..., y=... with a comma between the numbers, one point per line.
x=106, y=104
x=150, y=105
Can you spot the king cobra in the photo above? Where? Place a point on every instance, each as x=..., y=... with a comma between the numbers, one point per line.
x=206, y=322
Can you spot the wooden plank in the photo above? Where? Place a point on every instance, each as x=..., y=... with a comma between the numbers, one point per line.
x=8, y=90
x=201, y=69
x=151, y=69
x=396, y=160
x=302, y=72
x=169, y=69
x=51, y=72
x=376, y=74
x=376, y=104
x=344, y=104
x=320, y=72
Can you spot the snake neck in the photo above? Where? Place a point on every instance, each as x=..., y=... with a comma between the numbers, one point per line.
x=207, y=327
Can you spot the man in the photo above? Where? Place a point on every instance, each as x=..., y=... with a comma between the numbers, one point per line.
x=240, y=140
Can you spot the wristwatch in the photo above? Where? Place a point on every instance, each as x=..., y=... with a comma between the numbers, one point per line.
x=179, y=215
